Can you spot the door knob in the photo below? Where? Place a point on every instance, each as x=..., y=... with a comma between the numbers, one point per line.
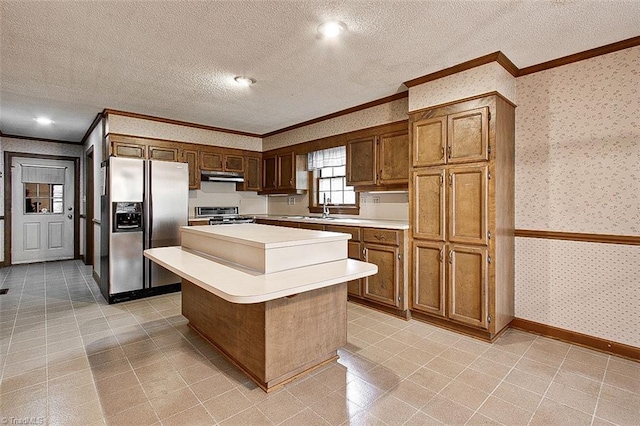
x=70, y=216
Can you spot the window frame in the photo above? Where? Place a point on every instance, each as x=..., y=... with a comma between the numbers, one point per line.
x=314, y=207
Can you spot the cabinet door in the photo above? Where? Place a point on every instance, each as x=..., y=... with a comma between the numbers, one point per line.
x=361, y=161
x=126, y=149
x=286, y=171
x=468, y=136
x=163, y=153
x=190, y=157
x=354, y=287
x=383, y=287
x=288, y=224
x=428, y=278
x=211, y=160
x=467, y=285
x=467, y=204
x=429, y=208
x=429, y=141
x=234, y=163
x=394, y=158
x=252, y=174
x=269, y=173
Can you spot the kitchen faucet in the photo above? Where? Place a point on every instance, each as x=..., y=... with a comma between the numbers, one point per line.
x=325, y=207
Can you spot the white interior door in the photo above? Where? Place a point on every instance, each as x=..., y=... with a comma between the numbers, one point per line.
x=42, y=213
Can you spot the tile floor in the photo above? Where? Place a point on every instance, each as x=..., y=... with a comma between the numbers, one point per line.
x=68, y=358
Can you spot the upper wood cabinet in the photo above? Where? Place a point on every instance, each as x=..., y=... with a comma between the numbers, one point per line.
x=378, y=161
x=284, y=173
x=190, y=156
x=218, y=160
x=128, y=149
x=163, y=153
x=252, y=173
x=461, y=137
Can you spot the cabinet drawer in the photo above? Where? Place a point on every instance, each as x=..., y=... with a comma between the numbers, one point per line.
x=312, y=226
x=381, y=236
x=353, y=230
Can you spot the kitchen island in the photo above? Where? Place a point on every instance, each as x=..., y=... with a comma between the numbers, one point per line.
x=272, y=300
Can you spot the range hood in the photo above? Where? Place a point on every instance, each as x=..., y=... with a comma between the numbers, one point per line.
x=213, y=176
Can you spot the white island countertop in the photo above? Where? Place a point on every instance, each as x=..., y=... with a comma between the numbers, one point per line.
x=238, y=285
x=336, y=220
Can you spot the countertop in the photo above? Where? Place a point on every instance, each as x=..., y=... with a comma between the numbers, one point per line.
x=335, y=220
x=238, y=285
x=264, y=236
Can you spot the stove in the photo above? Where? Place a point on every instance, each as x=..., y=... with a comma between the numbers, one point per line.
x=222, y=215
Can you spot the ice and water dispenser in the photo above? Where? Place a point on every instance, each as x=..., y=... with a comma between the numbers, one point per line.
x=127, y=217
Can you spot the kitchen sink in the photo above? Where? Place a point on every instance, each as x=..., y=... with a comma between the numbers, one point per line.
x=292, y=217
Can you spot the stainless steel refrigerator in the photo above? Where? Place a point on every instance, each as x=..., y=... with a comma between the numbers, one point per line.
x=143, y=206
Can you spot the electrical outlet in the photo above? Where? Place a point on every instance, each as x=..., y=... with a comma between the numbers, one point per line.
x=376, y=200
x=291, y=201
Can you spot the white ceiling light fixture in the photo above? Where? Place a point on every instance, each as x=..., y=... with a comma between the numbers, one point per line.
x=44, y=121
x=245, y=81
x=331, y=29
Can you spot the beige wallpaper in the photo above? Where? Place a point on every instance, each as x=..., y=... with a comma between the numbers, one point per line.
x=578, y=146
x=174, y=132
x=370, y=117
x=590, y=288
x=476, y=81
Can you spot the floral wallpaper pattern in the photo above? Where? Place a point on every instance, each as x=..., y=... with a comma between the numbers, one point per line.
x=370, y=117
x=590, y=288
x=578, y=146
x=476, y=81
x=156, y=129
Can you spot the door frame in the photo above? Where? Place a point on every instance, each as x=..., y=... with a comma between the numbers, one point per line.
x=88, y=207
x=8, y=181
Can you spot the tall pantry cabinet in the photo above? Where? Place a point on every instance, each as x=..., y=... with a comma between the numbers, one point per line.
x=462, y=215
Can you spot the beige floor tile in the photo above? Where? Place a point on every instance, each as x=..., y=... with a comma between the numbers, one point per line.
x=67, y=367
x=198, y=371
x=623, y=381
x=109, y=369
x=479, y=420
x=444, y=366
x=109, y=355
x=61, y=398
x=334, y=408
x=491, y=368
x=586, y=370
x=38, y=342
x=311, y=390
x=116, y=383
x=227, y=405
x=281, y=406
x=430, y=346
x=422, y=419
x=22, y=396
x=614, y=413
x=117, y=402
x=251, y=416
x=146, y=358
x=552, y=346
x=458, y=356
x=588, y=356
x=504, y=412
x=34, y=410
x=381, y=377
x=578, y=382
x=156, y=386
x=66, y=355
x=139, y=347
x=30, y=353
x=358, y=390
x=416, y=356
x=536, y=368
x=619, y=396
x=174, y=402
x=141, y=415
x=355, y=364
x=211, y=387
x=447, y=411
x=429, y=379
x=496, y=354
x=554, y=413
x=413, y=394
x=84, y=414
x=194, y=416
x=306, y=417
x=81, y=378
x=334, y=377
x=479, y=380
x=571, y=398
x=30, y=378
x=601, y=422
x=392, y=345
x=464, y=394
x=624, y=366
x=539, y=354
x=517, y=396
x=400, y=367
x=527, y=381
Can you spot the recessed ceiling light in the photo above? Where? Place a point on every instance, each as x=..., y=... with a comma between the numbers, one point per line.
x=245, y=81
x=331, y=29
x=43, y=120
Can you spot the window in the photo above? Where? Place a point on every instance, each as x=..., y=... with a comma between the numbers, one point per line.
x=328, y=182
x=43, y=198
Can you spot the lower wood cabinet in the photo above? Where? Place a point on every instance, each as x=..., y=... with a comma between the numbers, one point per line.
x=383, y=287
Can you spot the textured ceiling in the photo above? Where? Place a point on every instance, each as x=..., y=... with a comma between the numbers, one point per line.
x=69, y=60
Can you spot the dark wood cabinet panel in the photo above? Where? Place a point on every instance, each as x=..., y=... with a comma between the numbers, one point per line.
x=269, y=170
x=190, y=157
x=361, y=161
x=428, y=278
x=252, y=174
x=393, y=158
x=467, y=285
x=429, y=141
x=163, y=153
x=468, y=136
x=211, y=160
x=286, y=171
x=124, y=149
x=428, y=204
x=382, y=287
x=467, y=208
x=233, y=163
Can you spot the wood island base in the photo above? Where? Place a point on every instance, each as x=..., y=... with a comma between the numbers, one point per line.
x=275, y=341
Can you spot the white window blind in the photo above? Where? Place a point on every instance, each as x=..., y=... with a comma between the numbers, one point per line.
x=331, y=157
x=42, y=174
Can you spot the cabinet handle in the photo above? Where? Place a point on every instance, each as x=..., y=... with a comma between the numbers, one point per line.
x=450, y=179
x=451, y=256
x=442, y=152
x=441, y=254
x=449, y=151
x=379, y=237
x=291, y=182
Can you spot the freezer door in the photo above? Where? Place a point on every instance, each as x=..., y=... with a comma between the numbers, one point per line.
x=168, y=199
x=125, y=257
x=126, y=179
